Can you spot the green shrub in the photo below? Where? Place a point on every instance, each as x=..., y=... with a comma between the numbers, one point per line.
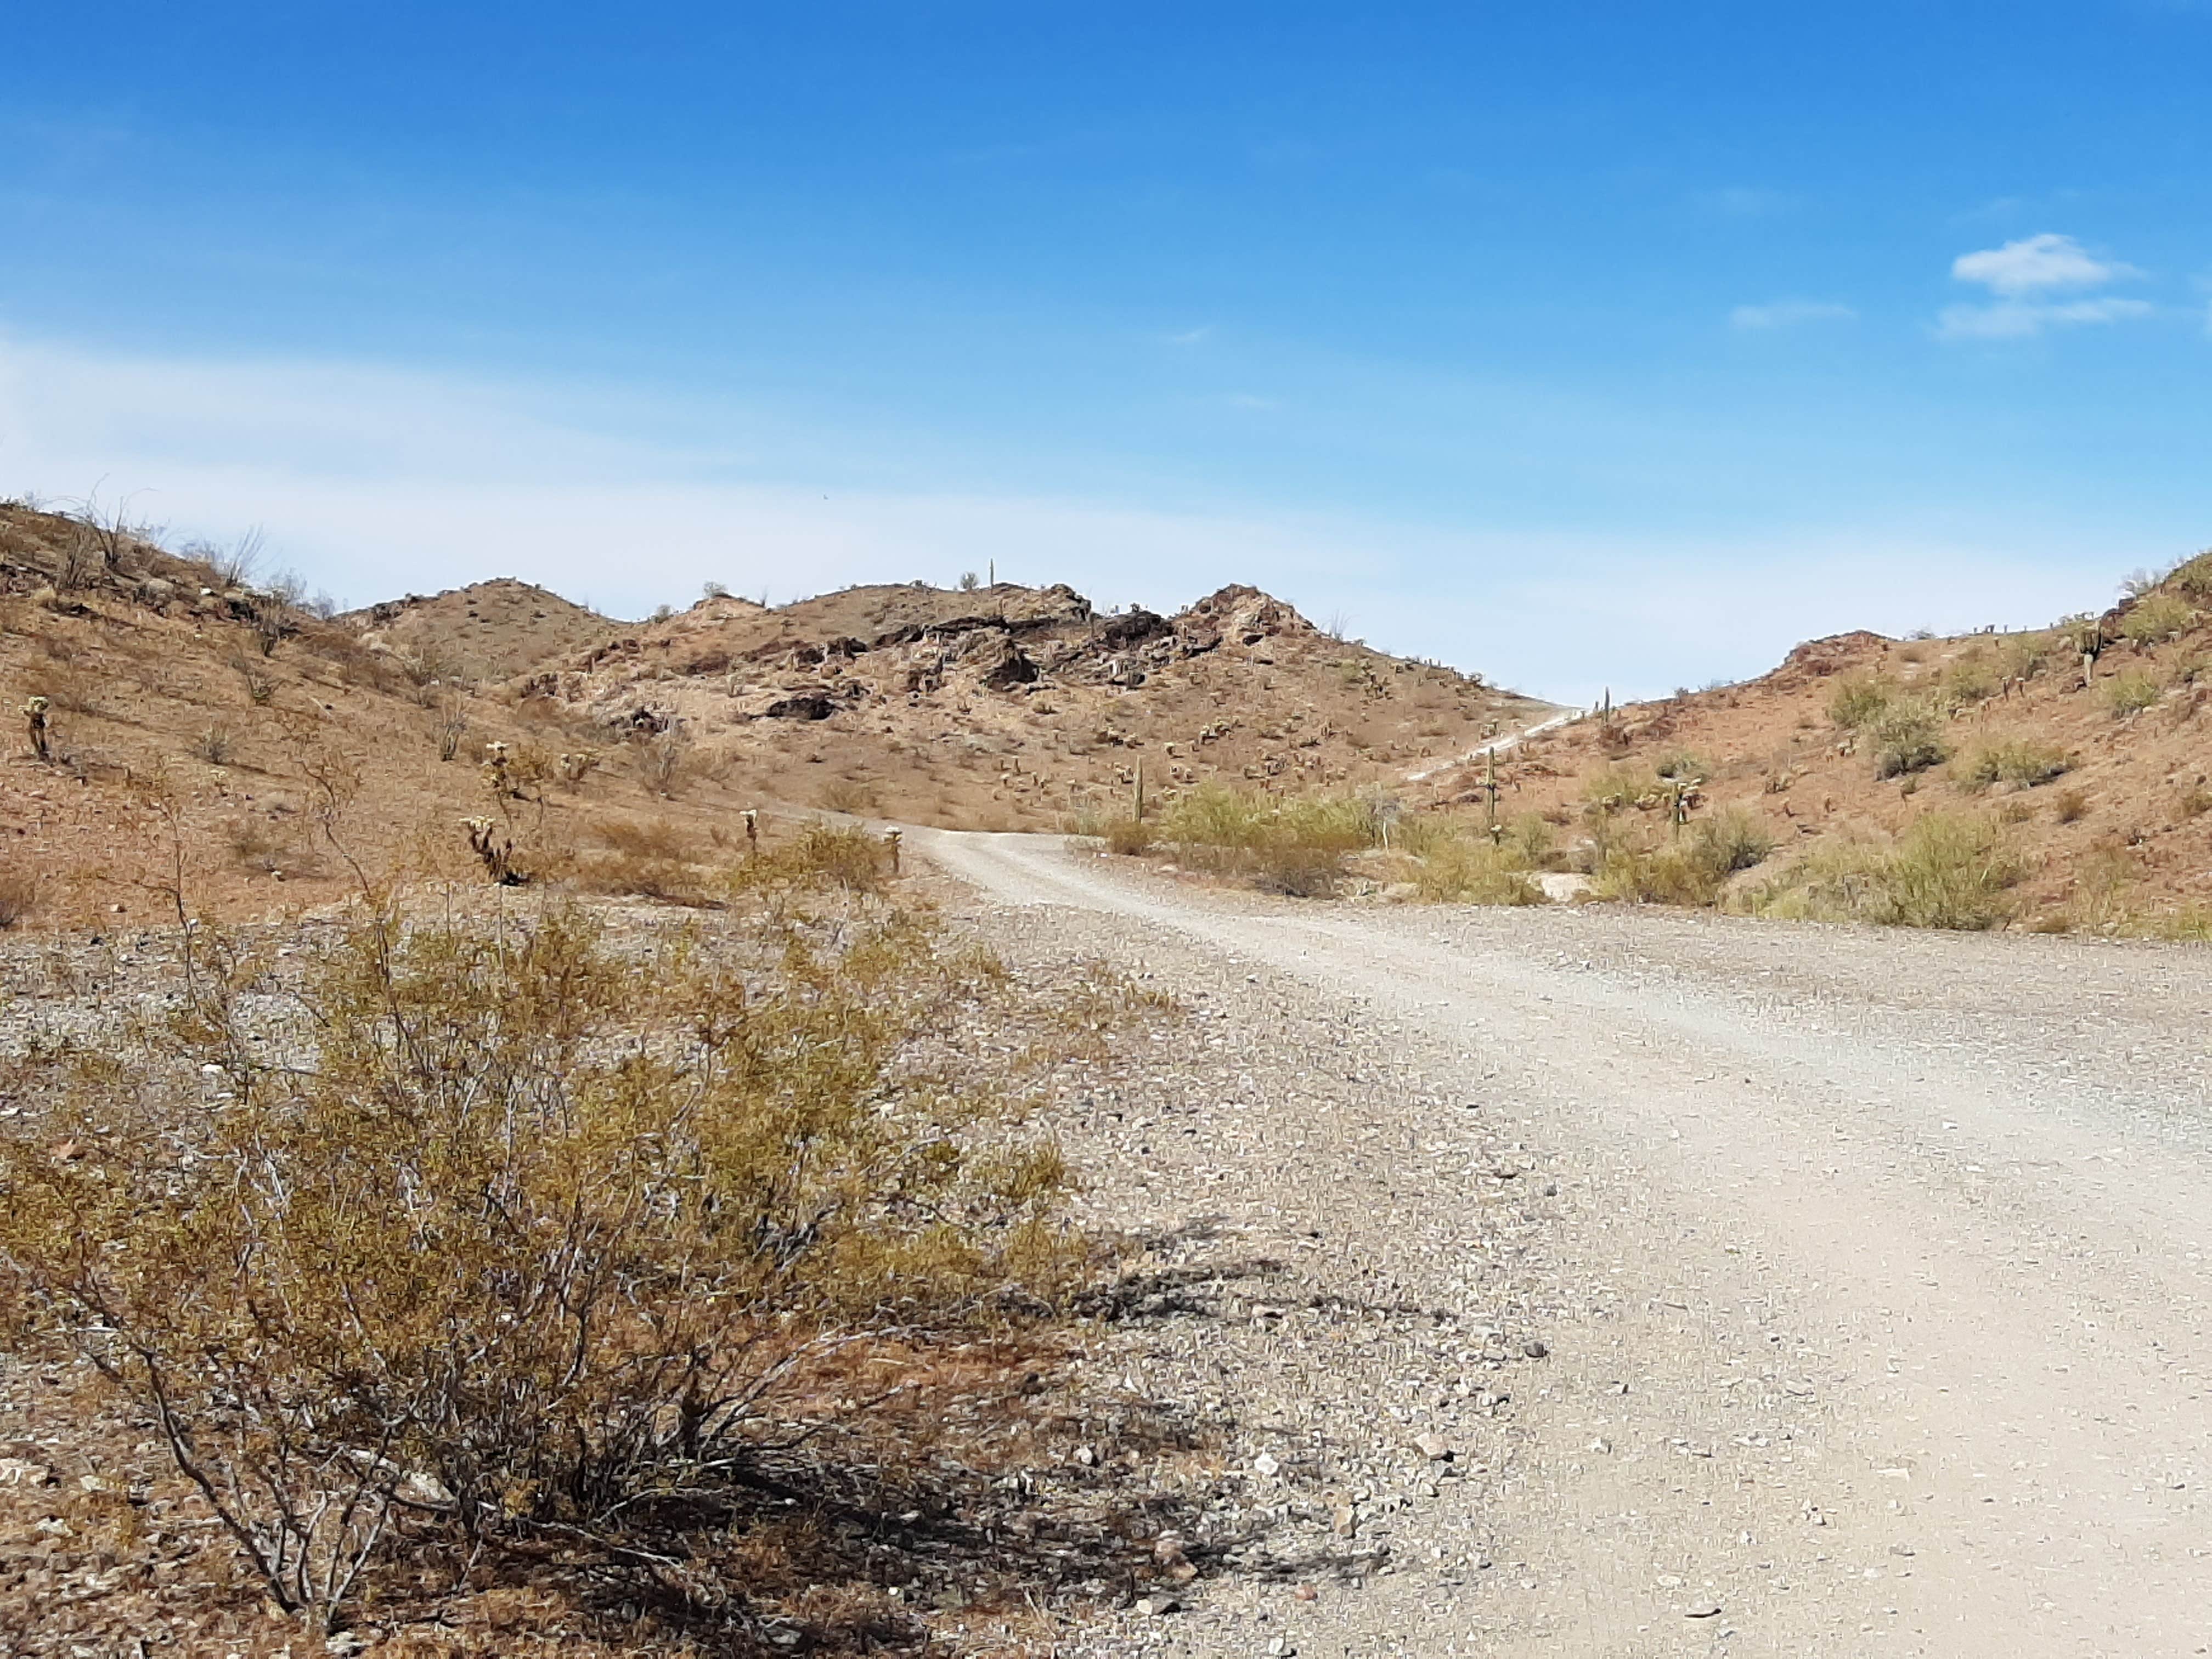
x=2157, y=617
x=2192, y=579
x=1688, y=869
x=2130, y=691
x=2013, y=760
x=1946, y=870
x=1296, y=848
x=1907, y=737
x=2022, y=656
x=1462, y=869
x=1731, y=840
x=1618, y=787
x=1967, y=680
x=1859, y=699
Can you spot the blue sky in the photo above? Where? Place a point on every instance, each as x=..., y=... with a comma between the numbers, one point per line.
x=1583, y=346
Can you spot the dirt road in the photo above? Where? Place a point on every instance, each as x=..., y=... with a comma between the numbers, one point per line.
x=1877, y=1262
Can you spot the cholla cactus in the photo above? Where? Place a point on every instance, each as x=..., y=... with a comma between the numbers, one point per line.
x=574, y=768
x=496, y=776
x=35, y=720
x=493, y=848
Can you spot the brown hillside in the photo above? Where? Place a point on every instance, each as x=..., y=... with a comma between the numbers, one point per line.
x=163, y=707
x=2096, y=781
x=488, y=631
x=1018, y=708
x=636, y=746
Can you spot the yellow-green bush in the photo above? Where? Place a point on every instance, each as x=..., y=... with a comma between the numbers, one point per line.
x=1859, y=699
x=1465, y=869
x=2130, y=691
x=1295, y=846
x=1967, y=680
x=2022, y=656
x=2023, y=761
x=1946, y=870
x=1688, y=868
x=2192, y=578
x=1906, y=736
x=2157, y=617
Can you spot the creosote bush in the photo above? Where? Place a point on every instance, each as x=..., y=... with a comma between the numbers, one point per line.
x=503, y=1236
x=1946, y=870
x=1469, y=869
x=2022, y=761
x=1907, y=737
x=2157, y=617
x=2130, y=691
x=1687, y=869
x=1858, y=699
x=1295, y=847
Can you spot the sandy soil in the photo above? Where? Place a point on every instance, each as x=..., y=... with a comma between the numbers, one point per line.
x=1866, y=1269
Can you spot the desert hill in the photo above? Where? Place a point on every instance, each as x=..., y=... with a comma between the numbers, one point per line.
x=488, y=630
x=2081, y=746
x=176, y=696
x=1020, y=707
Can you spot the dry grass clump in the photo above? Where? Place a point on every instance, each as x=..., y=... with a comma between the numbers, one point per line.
x=1946, y=870
x=18, y=897
x=1689, y=868
x=655, y=859
x=476, y=1243
x=2022, y=761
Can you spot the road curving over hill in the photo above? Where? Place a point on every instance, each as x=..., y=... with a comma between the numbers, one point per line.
x=1880, y=1262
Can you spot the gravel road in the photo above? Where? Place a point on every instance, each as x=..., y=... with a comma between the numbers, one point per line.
x=1865, y=1272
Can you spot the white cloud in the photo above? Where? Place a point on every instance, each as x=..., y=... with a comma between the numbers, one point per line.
x=2035, y=267
x=2034, y=264
x=1788, y=313
x=1190, y=336
x=2014, y=320
x=375, y=482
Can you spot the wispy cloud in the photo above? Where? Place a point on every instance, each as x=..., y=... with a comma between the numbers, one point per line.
x=1788, y=313
x=1190, y=336
x=2033, y=265
x=2023, y=275
x=375, y=482
x=2017, y=320
x=1251, y=400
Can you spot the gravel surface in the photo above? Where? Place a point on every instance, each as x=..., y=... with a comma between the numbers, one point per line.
x=1600, y=1281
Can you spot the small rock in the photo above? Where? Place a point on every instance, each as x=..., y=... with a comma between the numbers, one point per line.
x=1533, y=1349
x=1702, y=1610
x=1267, y=1465
x=1433, y=1447
x=1154, y=1606
x=1281, y=1648
x=1305, y=1593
